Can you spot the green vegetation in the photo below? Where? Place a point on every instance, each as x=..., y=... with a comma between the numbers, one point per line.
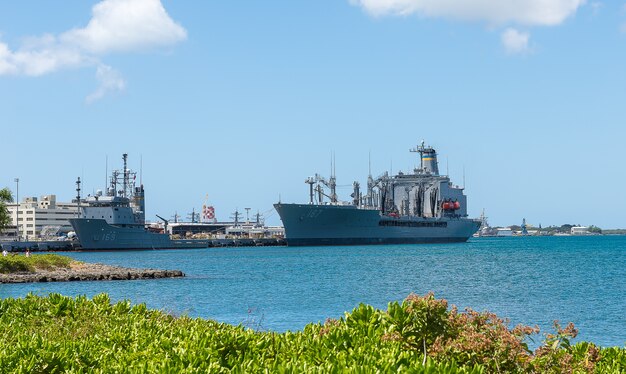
x=5, y=218
x=595, y=229
x=614, y=232
x=567, y=228
x=61, y=334
x=20, y=263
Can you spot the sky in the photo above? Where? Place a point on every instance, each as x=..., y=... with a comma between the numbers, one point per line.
x=241, y=101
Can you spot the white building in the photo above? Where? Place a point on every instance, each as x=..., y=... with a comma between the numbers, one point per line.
x=580, y=230
x=45, y=214
x=505, y=231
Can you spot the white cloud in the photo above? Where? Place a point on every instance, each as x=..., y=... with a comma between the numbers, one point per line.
x=526, y=12
x=38, y=57
x=6, y=65
x=110, y=81
x=492, y=12
x=515, y=41
x=45, y=55
x=115, y=26
x=123, y=25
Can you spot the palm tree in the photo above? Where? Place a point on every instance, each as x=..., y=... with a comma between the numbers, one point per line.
x=5, y=197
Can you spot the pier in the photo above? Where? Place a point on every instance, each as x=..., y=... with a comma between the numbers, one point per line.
x=69, y=245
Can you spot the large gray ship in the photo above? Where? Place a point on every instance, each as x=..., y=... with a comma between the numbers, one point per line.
x=418, y=207
x=116, y=220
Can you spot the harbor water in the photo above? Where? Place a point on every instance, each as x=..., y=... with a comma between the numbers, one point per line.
x=529, y=280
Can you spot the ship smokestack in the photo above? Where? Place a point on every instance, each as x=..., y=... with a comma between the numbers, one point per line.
x=428, y=158
x=429, y=161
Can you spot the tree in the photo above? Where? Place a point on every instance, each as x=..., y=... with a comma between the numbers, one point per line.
x=5, y=197
x=595, y=229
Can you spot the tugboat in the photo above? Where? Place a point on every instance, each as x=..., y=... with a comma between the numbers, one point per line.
x=418, y=207
x=116, y=220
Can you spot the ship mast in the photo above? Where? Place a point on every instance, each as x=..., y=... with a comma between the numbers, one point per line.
x=125, y=176
x=258, y=219
x=370, y=183
x=310, y=181
x=332, y=183
x=193, y=215
x=235, y=217
x=78, y=196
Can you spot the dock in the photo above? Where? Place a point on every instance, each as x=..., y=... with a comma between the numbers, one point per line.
x=69, y=245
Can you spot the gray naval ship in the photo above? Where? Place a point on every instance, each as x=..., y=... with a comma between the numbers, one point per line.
x=116, y=220
x=419, y=207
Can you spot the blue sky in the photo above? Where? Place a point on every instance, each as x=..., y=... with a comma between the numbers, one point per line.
x=243, y=100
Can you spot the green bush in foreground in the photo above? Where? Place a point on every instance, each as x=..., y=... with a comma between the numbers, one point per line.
x=21, y=263
x=62, y=334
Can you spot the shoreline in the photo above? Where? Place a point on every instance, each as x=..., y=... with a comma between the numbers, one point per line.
x=88, y=272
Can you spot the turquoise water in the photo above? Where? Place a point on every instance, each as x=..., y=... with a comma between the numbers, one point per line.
x=531, y=280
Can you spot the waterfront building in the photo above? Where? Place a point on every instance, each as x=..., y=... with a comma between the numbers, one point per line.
x=42, y=217
x=504, y=231
x=580, y=230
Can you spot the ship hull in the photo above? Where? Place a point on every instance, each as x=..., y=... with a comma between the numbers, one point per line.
x=314, y=225
x=97, y=234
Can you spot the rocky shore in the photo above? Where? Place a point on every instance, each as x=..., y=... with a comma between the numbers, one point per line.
x=88, y=272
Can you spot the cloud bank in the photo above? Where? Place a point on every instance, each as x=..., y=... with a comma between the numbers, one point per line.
x=492, y=12
x=115, y=26
x=528, y=12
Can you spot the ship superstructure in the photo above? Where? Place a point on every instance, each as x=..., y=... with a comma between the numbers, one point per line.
x=124, y=201
x=116, y=219
x=417, y=207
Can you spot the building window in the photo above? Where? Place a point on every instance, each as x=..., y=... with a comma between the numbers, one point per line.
x=29, y=218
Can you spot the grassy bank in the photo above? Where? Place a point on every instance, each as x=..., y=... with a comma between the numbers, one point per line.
x=20, y=263
x=59, y=334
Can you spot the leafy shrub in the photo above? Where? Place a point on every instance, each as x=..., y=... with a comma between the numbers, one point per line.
x=62, y=334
